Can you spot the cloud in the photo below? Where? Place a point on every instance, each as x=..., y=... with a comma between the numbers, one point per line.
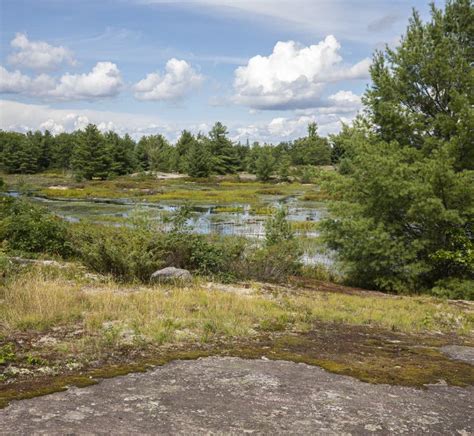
x=341, y=107
x=23, y=117
x=14, y=82
x=178, y=80
x=38, y=55
x=103, y=81
x=383, y=23
x=293, y=76
x=309, y=17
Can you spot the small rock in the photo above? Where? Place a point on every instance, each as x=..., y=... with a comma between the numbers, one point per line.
x=171, y=275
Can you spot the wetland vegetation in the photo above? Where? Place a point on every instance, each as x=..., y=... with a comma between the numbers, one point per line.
x=353, y=252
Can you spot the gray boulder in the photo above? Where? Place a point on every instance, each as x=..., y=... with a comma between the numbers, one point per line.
x=171, y=275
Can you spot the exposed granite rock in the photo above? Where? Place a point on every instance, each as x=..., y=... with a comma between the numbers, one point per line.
x=233, y=396
x=459, y=352
x=171, y=275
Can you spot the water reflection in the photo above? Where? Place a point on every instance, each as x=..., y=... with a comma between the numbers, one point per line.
x=232, y=220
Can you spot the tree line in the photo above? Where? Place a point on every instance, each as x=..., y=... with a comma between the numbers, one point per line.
x=92, y=154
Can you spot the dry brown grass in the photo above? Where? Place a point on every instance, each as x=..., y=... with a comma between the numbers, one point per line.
x=38, y=300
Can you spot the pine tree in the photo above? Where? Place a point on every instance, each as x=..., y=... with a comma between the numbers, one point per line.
x=265, y=164
x=422, y=92
x=405, y=219
x=199, y=160
x=223, y=158
x=183, y=146
x=121, y=153
x=90, y=157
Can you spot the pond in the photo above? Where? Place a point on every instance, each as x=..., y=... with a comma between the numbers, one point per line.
x=232, y=219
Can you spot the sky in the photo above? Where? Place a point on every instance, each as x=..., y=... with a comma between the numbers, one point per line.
x=263, y=68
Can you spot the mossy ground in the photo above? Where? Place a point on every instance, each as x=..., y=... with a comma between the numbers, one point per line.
x=374, y=337
x=369, y=354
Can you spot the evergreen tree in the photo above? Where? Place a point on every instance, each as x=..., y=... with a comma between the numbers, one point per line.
x=284, y=168
x=183, y=147
x=265, y=164
x=422, y=92
x=142, y=155
x=121, y=153
x=62, y=150
x=199, y=160
x=46, y=145
x=90, y=157
x=405, y=218
x=223, y=158
x=311, y=150
x=11, y=150
x=162, y=154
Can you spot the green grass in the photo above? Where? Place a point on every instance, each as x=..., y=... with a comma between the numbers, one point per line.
x=148, y=188
x=38, y=300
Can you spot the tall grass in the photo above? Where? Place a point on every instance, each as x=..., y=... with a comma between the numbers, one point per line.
x=39, y=301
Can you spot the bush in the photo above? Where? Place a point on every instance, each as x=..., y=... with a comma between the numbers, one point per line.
x=135, y=252
x=127, y=253
x=455, y=289
x=277, y=228
x=280, y=256
x=27, y=228
x=273, y=263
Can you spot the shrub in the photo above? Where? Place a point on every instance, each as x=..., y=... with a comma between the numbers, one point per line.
x=125, y=252
x=135, y=252
x=273, y=263
x=456, y=289
x=277, y=228
x=27, y=228
x=280, y=256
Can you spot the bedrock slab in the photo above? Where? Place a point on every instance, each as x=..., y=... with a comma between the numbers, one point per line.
x=226, y=395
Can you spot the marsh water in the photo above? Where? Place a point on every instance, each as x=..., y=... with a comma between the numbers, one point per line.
x=234, y=219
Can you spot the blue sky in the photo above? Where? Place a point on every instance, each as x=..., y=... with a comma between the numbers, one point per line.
x=264, y=68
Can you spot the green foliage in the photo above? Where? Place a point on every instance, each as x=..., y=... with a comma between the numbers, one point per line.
x=90, y=157
x=183, y=151
x=457, y=289
x=199, y=160
x=404, y=222
x=284, y=168
x=35, y=360
x=280, y=256
x=121, y=154
x=405, y=219
x=20, y=153
x=31, y=229
x=273, y=262
x=422, y=94
x=312, y=150
x=223, y=156
x=128, y=253
x=265, y=164
x=7, y=353
x=277, y=228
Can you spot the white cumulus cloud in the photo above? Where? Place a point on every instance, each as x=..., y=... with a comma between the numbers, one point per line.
x=38, y=55
x=293, y=76
x=176, y=82
x=103, y=81
x=15, y=82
